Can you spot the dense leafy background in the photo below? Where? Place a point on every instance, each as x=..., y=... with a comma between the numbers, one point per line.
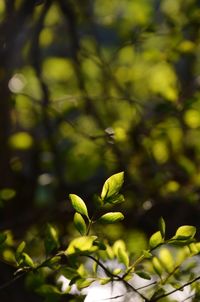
x=88, y=89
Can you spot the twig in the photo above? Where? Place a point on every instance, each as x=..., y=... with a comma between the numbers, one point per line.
x=175, y=290
x=118, y=278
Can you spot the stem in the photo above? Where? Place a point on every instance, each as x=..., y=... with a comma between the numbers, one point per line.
x=118, y=278
x=175, y=290
x=89, y=226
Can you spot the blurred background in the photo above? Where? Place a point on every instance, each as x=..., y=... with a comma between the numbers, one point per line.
x=89, y=89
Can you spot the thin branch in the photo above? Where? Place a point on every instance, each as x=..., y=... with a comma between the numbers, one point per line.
x=10, y=282
x=175, y=290
x=118, y=278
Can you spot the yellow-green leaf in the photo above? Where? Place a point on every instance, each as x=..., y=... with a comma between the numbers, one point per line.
x=80, y=224
x=112, y=185
x=81, y=244
x=155, y=240
x=123, y=257
x=78, y=204
x=111, y=217
x=185, y=231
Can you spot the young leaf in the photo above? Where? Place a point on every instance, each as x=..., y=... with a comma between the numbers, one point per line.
x=162, y=227
x=27, y=260
x=81, y=244
x=83, y=283
x=166, y=259
x=147, y=254
x=117, y=271
x=112, y=186
x=185, y=232
x=111, y=217
x=155, y=240
x=123, y=257
x=104, y=281
x=20, y=249
x=157, y=266
x=80, y=224
x=79, y=205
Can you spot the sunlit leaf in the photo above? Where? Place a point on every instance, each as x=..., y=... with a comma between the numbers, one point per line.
x=166, y=259
x=104, y=281
x=123, y=257
x=19, y=250
x=112, y=186
x=111, y=217
x=78, y=204
x=157, y=266
x=27, y=260
x=80, y=224
x=83, y=283
x=185, y=231
x=81, y=244
x=155, y=240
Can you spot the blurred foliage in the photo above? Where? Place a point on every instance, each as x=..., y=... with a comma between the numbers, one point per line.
x=91, y=88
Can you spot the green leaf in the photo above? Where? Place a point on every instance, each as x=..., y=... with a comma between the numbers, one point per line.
x=143, y=275
x=104, y=281
x=117, y=271
x=147, y=254
x=155, y=240
x=123, y=257
x=100, y=245
x=21, y=247
x=79, y=205
x=48, y=290
x=112, y=186
x=81, y=244
x=185, y=232
x=83, y=283
x=69, y=272
x=157, y=266
x=53, y=261
x=80, y=224
x=194, y=248
x=51, y=239
x=19, y=250
x=27, y=260
x=166, y=259
x=111, y=217
x=162, y=227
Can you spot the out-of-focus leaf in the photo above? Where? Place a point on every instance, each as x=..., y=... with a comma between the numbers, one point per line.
x=162, y=227
x=51, y=239
x=81, y=244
